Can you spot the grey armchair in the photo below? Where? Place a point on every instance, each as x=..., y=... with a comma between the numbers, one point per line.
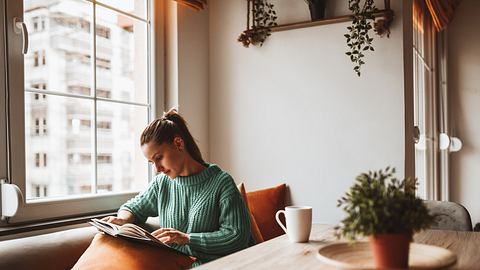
x=449, y=216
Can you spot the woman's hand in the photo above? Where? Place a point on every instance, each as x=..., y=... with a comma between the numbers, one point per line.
x=171, y=236
x=122, y=217
x=115, y=220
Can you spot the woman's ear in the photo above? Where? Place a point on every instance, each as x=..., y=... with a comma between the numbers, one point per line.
x=179, y=143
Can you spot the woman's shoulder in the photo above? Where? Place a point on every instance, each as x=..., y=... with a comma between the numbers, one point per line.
x=160, y=180
x=218, y=173
x=222, y=179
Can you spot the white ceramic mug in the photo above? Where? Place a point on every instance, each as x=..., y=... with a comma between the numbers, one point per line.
x=299, y=222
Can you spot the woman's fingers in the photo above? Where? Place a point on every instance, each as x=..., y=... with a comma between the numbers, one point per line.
x=114, y=220
x=161, y=230
x=171, y=236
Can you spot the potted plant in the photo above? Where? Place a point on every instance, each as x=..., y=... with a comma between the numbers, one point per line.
x=317, y=9
x=263, y=18
x=386, y=210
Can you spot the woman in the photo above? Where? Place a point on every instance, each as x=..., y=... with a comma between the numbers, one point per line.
x=200, y=209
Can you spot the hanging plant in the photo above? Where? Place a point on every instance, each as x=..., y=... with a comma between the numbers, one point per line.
x=358, y=38
x=263, y=18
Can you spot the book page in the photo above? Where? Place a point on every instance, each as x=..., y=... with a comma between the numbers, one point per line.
x=135, y=230
x=106, y=227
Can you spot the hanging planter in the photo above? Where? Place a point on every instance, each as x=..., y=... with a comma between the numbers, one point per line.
x=260, y=18
x=358, y=37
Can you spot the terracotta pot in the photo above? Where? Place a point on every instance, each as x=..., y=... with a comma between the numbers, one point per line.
x=390, y=250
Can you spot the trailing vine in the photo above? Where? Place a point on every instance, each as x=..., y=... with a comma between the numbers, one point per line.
x=358, y=38
x=263, y=18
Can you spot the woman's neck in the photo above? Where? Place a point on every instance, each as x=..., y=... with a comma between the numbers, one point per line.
x=192, y=167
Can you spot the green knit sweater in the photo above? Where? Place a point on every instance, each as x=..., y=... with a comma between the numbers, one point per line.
x=207, y=206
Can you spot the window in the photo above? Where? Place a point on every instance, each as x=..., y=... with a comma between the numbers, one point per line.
x=35, y=24
x=40, y=126
x=44, y=60
x=40, y=160
x=35, y=59
x=104, y=125
x=97, y=57
x=430, y=101
x=104, y=158
x=37, y=160
x=37, y=126
x=38, y=191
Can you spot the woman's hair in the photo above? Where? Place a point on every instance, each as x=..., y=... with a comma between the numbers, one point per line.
x=166, y=128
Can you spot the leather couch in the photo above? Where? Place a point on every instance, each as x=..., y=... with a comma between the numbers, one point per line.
x=52, y=251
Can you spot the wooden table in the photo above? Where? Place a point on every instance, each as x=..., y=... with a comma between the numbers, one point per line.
x=279, y=253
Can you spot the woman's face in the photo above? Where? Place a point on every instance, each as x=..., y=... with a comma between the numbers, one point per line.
x=167, y=158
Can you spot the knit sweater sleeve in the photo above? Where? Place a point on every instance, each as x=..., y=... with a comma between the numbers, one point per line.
x=234, y=231
x=145, y=204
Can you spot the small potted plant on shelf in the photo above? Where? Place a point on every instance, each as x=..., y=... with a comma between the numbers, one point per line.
x=317, y=8
x=386, y=210
x=263, y=18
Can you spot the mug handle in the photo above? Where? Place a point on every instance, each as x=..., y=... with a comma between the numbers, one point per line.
x=277, y=217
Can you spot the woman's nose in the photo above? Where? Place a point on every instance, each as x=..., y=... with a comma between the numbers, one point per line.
x=158, y=167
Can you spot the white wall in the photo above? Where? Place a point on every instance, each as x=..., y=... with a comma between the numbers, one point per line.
x=464, y=93
x=294, y=111
x=187, y=69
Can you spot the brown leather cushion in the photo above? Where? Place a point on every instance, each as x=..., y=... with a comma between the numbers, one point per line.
x=257, y=235
x=107, y=252
x=264, y=204
x=52, y=251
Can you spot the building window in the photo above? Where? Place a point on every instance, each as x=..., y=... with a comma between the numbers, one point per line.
x=44, y=59
x=104, y=158
x=37, y=126
x=40, y=127
x=40, y=160
x=35, y=24
x=104, y=93
x=37, y=160
x=79, y=90
x=103, y=63
x=104, y=125
x=44, y=126
x=39, y=191
x=103, y=32
x=35, y=59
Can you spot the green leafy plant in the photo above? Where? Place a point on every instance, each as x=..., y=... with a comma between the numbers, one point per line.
x=358, y=38
x=264, y=17
x=379, y=203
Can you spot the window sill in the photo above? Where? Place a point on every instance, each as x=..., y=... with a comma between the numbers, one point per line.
x=18, y=229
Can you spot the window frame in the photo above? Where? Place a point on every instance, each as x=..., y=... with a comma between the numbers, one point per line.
x=12, y=144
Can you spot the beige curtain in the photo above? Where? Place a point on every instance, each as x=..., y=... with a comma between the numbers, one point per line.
x=442, y=12
x=194, y=4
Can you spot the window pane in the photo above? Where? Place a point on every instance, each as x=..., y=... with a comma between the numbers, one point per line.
x=121, y=165
x=135, y=7
x=58, y=155
x=121, y=57
x=60, y=44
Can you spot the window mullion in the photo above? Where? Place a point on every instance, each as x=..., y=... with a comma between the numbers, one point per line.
x=94, y=94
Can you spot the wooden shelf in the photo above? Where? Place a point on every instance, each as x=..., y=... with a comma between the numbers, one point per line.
x=381, y=13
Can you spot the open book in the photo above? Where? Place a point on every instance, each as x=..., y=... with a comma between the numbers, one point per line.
x=130, y=231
